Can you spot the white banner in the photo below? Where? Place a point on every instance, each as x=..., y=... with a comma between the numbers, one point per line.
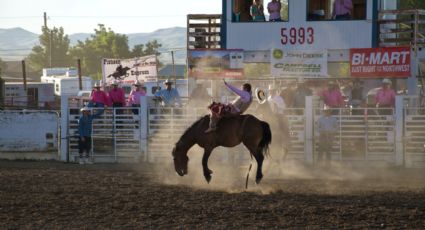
x=293, y=63
x=139, y=68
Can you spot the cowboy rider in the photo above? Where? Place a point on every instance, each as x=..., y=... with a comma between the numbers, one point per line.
x=237, y=107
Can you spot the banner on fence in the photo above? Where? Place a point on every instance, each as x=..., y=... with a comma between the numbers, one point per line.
x=215, y=63
x=310, y=63
x=129, y=70
x=380, y=62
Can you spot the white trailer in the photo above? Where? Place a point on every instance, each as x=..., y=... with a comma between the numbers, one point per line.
x=68, y=85
x=37, y=94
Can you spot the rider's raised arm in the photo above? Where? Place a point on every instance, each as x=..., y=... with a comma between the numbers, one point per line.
x=245, y=96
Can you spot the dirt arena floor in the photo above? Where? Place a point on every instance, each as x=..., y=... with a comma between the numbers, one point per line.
x=56, y=195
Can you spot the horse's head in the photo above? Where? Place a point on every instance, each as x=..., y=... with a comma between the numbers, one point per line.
x=180, y=160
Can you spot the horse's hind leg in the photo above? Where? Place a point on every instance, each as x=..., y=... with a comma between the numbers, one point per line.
x=207, y=171
x=259, y=158
x=258, y=155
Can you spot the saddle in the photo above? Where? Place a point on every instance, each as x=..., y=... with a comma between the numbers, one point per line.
x=220, y=110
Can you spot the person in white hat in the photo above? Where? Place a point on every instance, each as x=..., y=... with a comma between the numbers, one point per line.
x=276, y=102
x=98, y=97
x=236, y=107
x=134, y=97
x=385, y=98
x=85, y=124
x=116, y=96
x=169, y=96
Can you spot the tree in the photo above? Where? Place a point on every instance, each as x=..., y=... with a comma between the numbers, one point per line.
x=52, y=51
x=412, y=4
x=105, y=43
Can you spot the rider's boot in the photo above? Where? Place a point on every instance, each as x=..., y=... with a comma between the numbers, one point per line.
x=212, y=126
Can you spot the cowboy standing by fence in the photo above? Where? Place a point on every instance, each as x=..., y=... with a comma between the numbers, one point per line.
x=117, y=97
x=134, y=97
x=238, y=106
x=85, y=123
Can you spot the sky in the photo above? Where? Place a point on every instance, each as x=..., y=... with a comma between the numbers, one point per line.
x=122, y=16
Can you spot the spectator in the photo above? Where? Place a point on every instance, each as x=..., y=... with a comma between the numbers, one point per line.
x=134, y=97
x=238, y=106
x=169, y=96
x=276, y=102
x=332, y=97
x=85, y=132
x=385, y=98
x=342, y=9
x=299, y=97
x=356, y=98
x=117, y=97
x=257, y=11
x=327, y=127
x=274, y=10
x=98, y=98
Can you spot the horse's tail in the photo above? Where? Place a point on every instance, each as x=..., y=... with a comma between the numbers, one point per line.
x=266, y=140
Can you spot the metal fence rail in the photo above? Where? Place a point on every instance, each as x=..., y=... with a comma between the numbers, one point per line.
x=116, y=137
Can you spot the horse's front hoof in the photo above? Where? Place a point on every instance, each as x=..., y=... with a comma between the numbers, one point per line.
x=207, y=178
x=258, y=179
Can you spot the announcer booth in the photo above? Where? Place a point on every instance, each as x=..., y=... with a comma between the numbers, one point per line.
x=312, y=44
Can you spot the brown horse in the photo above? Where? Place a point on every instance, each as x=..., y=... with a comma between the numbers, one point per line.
x=231, y=131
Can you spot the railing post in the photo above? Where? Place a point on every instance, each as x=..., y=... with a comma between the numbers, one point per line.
x=399, y=121
x=64, y=133
x=309, y=125
x=143, y=126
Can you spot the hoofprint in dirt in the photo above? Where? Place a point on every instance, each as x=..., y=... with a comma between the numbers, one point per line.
x=54, y=195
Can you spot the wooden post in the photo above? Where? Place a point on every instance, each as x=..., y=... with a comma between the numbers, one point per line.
x=80, y=81
x=24, y=75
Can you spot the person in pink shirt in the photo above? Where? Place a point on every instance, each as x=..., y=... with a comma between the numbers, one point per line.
x=117, y=97
x=98, y=97
x=134, y=97
x=342, y=9
x=274, y=10
x=385, y=98
x=332, y=97
x=236, y=107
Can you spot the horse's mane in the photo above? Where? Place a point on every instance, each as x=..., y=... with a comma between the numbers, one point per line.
x=186, y=132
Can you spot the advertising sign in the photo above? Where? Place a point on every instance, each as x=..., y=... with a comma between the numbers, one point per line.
x=215, y=63
x=310, y=63
x=129, y=70
x=380, y=62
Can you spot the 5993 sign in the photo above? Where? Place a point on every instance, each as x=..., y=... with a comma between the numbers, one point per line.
x=297, y=35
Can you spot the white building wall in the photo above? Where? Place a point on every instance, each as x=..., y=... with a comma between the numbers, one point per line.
x=28, y=131
x=328, y=34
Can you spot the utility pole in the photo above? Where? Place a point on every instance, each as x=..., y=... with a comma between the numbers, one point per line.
x=174, y=67
x=45, y=19
x=80, y=81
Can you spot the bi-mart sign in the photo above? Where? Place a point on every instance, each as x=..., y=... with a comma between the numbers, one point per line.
x=380, y=62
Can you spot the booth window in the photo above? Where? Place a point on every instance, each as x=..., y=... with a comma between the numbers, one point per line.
x=241, y=10
x=336, y=10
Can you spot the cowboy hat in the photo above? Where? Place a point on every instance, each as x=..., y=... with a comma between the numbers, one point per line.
x=272, y=87
x=168, y=81
x=260, y=95
x=386, y=81
x=114, y=82
x=85, y=108
x=137, y=83
x=96, y=85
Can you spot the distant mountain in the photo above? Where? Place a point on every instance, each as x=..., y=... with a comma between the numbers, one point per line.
x=16, y=43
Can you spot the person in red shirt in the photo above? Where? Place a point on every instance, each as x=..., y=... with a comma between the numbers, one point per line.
x=98, y=97
x=117, y=97
x=385, y=98
x=332, y=97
